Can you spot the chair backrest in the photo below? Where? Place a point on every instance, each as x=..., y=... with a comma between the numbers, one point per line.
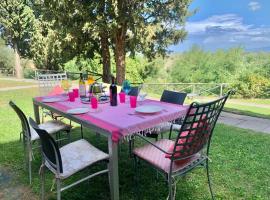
x=50, y=149
x=25, y=125
x=134, y=91
x=47, y=82
x=173, y=97
x=197, y=128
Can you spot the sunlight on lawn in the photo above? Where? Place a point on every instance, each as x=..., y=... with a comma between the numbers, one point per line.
x=7, y=83
x=239, y=167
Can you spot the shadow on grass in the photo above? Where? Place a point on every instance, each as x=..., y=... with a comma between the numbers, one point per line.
x=236, y=159
x=96, y=188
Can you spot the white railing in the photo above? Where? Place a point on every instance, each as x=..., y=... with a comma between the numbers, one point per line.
x=193, y=89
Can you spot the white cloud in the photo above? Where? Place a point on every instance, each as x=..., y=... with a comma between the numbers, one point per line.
x=225, y=31
x=254, y=5
x=220, y=22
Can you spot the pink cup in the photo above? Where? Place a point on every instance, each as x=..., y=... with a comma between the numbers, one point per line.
x=94, y=102
x=71, y=96
x=122, y=97
x=76, y=92
x=133, y=101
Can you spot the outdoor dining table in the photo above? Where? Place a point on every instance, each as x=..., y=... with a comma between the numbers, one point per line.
x=115, y=122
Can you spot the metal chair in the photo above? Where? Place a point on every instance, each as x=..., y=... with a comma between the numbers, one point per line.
x=29, y=135
x=133, y=92
x=174, y=98
x=190, y=149
x=67, y=160
x=168, y=97
x=47, y=82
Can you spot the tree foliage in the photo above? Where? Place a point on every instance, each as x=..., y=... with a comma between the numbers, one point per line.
x=6, y=56
x=16, y=25
x=247, y=72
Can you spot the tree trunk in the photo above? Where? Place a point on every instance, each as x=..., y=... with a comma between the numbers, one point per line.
x=18, y=67
x=106, y=58
x=120, y=55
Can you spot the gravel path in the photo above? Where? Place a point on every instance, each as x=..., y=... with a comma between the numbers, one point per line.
x=245, y=122
x=11, y=189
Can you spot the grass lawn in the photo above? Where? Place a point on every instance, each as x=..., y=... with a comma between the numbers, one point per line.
x=254, y=111
x=7, y=83
x=239, y=167
x=251, y=107
x=256, y=101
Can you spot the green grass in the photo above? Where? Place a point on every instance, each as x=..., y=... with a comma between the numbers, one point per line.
x=248, y=110
x=9, y=83
x=256, y=101
x=251, y=107
x=239, y=167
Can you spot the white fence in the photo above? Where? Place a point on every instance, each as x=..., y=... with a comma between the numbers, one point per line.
x=193, y=89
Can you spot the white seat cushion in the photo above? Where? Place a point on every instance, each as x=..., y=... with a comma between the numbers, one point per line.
x=164, y=128
x=77, y=156
x=51, y=127
x=175, y=127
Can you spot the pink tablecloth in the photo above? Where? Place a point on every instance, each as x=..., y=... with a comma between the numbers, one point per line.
x=119, y=120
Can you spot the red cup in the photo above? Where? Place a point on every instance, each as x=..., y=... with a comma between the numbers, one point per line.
x=122, y=97
x=133, y=101
x=76, y=92
x=71, y=96
x=94, y=102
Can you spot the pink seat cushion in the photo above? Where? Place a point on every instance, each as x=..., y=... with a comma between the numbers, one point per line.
x=156, y=157
x=193, y=138
x=56, y=90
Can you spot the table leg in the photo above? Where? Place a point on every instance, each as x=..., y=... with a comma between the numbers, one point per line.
x=113, y=169
x=36, y=113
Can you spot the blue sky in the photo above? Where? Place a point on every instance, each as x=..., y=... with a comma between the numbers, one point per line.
x=222, y=24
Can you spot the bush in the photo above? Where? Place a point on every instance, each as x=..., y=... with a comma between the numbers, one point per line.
x=29, y=73
x=252, y=86
x=79, y=64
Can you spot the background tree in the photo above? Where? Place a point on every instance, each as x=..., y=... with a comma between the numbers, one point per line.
x=148, y=27
x=6, y=56
x=16, y=26
x=60, y=34
x=82, y=28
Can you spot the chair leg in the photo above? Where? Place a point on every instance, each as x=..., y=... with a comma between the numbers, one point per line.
x=131, y=146
x=208, y=178
x=28, y=157
x=58, y=185
x=170, y=188
x=68, y=135
x=170, y=135
x=42, y=178
x=30, y=171
x=82, y=131
x=136, y=177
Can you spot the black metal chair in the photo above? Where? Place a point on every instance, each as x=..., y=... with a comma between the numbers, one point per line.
x=168, y=97
x=67, y=160
x=191, y=147
x=29, y=135
x=174, y=98
x=133, y=92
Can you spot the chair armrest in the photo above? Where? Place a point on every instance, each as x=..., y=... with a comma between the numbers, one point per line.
x=153, y=144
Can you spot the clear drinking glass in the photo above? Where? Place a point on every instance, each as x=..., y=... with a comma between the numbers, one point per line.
x=66, y=85
x=142, y=93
